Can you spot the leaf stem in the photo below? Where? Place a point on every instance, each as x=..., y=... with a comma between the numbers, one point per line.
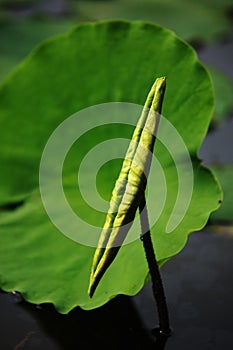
x=157, y=285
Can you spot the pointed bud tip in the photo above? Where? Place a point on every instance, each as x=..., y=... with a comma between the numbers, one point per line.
x=161, y=81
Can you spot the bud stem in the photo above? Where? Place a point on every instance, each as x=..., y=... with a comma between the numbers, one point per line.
x=157, y=285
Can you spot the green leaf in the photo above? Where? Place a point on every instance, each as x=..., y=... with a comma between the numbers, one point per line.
x=223, y=88
x=225, y=175
x=203, y=20
x=18, y=38
x=93, y=64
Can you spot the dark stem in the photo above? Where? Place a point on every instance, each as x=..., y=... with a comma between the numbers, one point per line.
x=157, y=285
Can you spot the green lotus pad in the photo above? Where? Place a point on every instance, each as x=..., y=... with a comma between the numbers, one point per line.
x=18, y=38
x=93, y=64
x=223, y=87
x=225, y=174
